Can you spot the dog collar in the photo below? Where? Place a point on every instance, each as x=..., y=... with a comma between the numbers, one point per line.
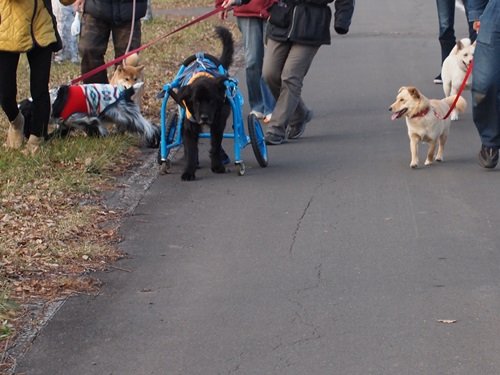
x=422, y=113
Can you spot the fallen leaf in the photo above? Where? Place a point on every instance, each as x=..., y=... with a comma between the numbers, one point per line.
x=447, y=321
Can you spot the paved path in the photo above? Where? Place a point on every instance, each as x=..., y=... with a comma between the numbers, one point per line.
x=336, y=259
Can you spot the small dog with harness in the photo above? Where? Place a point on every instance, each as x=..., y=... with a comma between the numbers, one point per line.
x=203, y=95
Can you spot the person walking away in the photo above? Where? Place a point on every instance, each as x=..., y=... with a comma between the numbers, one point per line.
x=65, y=15
x=27, y=26
x=102, y=18
x=296, y=30
x=486, y=78
x=447, y=39
x=251, y=16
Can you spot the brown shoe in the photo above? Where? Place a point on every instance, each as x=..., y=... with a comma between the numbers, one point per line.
x=15, y=134
x=33, y=145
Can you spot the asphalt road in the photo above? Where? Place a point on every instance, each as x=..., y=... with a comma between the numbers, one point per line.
x=336, y=259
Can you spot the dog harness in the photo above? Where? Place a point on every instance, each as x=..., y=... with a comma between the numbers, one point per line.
x=193, y=78
x=90, y=98
x=201, y=65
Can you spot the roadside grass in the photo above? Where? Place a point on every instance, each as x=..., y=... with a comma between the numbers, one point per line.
x=169, y=4
x=55, y=228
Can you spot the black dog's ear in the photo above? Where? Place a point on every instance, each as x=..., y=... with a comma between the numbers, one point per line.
x=221, y=86
x=173, y=95
x=181, y=95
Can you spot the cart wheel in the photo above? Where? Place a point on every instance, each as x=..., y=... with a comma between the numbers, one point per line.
x=241, y=168
x=170, y=131
x=257, y=139
x=164, y=167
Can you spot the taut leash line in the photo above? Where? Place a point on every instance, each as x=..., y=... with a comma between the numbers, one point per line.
x=144, y=46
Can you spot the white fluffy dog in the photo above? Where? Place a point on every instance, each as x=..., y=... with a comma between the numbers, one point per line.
x=455, y=67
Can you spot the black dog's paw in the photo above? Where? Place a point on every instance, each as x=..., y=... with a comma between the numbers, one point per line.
x=220, y=168
x=188, y=176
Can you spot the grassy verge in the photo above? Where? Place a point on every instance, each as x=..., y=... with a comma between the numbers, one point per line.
x=55, y=229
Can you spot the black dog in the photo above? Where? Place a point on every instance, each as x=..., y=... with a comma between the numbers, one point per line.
x=204, y=98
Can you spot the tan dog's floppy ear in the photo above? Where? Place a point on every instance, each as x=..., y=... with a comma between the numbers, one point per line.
x=413, y=91
x=140, y=68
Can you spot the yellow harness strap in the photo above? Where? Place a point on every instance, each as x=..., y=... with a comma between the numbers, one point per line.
x=194, y=77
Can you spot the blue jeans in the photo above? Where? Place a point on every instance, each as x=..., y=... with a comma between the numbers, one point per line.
x=446, y=17
x=486, y=77
x=260, y=98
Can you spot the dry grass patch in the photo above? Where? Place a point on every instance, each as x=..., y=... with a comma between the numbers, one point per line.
x=170, y=4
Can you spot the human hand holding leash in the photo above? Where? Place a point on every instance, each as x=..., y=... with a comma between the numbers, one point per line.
x=227, y=5
x=78, y=5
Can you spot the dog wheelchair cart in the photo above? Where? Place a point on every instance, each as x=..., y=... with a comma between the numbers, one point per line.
x=171, y=122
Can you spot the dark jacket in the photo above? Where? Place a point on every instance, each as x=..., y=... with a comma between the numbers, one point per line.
x=115, y=11
x=308, y=21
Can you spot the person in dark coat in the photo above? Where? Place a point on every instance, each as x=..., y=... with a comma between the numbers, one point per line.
x=100, y=19
x=296, y=30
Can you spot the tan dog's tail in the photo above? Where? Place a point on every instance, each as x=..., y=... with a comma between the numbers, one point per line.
x=461, y=105
x=132, y=60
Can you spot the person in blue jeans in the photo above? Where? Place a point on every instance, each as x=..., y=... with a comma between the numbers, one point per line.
x=251, y=17
x=447, y=39
x=486, y=78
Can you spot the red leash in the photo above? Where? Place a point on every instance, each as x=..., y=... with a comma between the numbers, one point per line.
x=144, y=46
x=462, y=87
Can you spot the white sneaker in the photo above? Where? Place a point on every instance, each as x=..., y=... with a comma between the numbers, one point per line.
x=258, y=114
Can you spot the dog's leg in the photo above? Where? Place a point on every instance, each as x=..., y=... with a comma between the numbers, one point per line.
x=190, y=139
x=216, y=151
x=441, y=142
x=430, y=153
x=414, y=139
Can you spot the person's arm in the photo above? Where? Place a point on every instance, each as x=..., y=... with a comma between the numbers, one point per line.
x=227, y=4
x=475, y=8
x=344, y=10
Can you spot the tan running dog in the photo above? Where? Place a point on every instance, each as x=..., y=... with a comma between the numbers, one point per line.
x=425, y=121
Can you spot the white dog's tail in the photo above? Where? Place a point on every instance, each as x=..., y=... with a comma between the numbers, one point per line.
x=461, y=105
